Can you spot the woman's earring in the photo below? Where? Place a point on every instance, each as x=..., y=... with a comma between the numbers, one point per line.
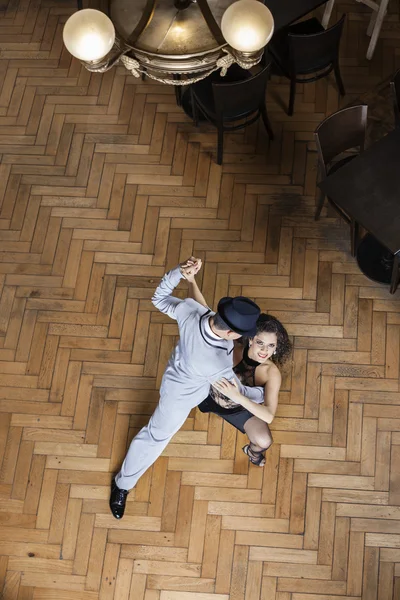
x=274, y=352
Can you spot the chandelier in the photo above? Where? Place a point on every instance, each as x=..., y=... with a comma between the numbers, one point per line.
x=172, y=41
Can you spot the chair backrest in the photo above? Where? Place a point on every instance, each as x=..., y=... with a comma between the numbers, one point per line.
x=339, y=132
x=310, y=52
x=395, y=88
x=240, y=98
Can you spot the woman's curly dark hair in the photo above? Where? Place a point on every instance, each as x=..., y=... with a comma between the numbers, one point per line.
x=269, y=324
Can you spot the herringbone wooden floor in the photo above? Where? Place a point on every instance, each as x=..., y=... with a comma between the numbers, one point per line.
x=105, y=184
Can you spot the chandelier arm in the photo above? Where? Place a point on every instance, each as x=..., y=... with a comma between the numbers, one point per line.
x=211, y=22
x=144, y=22
x=223, y=63
x=109, y=61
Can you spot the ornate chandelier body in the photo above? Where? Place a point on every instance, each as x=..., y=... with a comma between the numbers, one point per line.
x=173, y=41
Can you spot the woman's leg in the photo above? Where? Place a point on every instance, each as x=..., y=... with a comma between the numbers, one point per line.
x=260, y=439
x=257, y=430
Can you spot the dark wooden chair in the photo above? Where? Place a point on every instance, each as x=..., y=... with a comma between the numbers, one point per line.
x=306, y=52
x=239, y=96
x=343, y=131
x=395, y=89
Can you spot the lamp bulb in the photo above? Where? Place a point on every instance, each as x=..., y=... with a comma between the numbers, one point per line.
x=247, y=25
x=89, y=35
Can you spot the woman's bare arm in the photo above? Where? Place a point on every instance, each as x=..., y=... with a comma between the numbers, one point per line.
x=271, y=390
x=189, y=271
x=195, y=293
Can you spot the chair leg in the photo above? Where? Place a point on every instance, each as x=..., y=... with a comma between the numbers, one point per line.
x=292, y=96
x=178, y=90
x=178, y=95
x=267, y=123
x=327, y=13
x=371, y=23
x=80, y=4
x=377, y=28
x=195, y=110
x=338, y=78
x=395, y=274
x=354, y=230
x=319, y=206
x=220, y=151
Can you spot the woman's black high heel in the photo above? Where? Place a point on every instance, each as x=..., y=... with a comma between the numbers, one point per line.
x=256, y=458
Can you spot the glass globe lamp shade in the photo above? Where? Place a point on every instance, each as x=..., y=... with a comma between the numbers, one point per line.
x=89, y=35
x=247, y=25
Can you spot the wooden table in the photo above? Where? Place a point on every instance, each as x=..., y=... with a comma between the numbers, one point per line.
x=286, y=12
x=368, y=190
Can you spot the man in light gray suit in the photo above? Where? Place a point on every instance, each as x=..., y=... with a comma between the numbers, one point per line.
x=202, y=356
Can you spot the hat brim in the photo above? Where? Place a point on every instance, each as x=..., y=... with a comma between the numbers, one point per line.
x=248, y=333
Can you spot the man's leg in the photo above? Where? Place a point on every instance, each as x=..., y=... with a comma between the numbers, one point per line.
x=145, y=448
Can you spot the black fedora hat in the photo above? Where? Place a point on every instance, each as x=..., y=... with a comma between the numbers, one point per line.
x=240, y=314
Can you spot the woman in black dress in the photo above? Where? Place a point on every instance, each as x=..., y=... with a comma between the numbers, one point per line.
x=256, y=363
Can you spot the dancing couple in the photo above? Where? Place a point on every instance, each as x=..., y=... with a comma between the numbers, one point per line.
x=211, y=369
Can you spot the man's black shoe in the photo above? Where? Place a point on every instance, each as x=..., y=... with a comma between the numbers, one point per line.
x=117, y=500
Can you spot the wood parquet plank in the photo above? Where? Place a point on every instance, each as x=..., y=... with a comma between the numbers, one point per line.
x=104, y=185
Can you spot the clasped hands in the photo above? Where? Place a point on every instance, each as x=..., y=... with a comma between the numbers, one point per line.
x=190, y=268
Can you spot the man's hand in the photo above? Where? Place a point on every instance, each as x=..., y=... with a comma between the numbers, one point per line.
x=230, y=389
x=190, y=268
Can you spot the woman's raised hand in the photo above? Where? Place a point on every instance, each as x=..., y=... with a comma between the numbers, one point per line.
x=190, y=268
